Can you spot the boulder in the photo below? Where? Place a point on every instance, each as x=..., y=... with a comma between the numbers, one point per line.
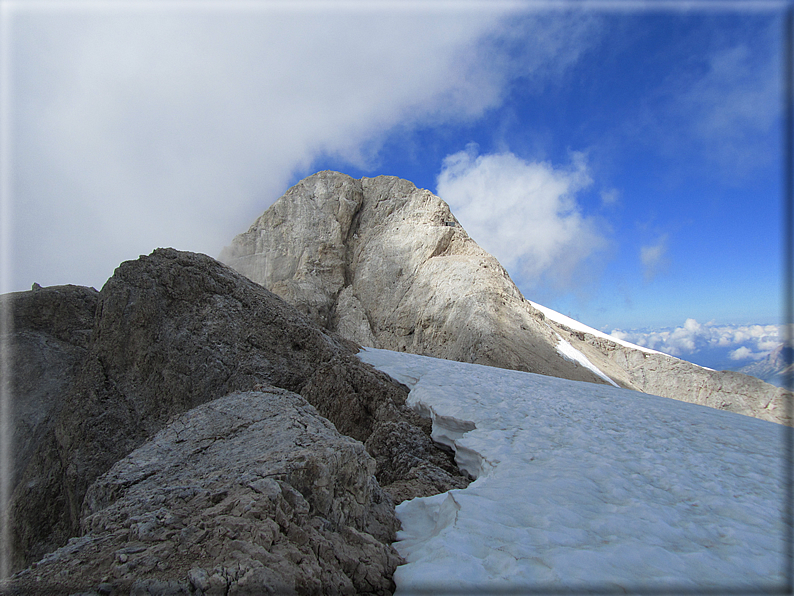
x=251, y=493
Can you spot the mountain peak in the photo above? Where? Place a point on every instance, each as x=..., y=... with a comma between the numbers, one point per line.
x=387, y=265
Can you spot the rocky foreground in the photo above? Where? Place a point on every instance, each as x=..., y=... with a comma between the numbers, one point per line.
x=174, y=429
x=387, y=265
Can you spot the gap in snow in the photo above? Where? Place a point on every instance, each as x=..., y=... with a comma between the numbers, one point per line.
x=447, y=429
x=589, y=487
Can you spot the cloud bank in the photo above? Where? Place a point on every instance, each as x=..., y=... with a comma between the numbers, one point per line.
x=137, y=126
x=739, y=344
x=141, y=128
x=525, y=213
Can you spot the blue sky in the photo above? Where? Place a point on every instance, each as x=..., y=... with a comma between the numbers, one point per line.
x=623, y=164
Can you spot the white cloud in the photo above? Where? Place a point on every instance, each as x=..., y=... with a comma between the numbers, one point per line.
x=744, y=353
x=136, y=128
x=524, y=213
x=653, y=258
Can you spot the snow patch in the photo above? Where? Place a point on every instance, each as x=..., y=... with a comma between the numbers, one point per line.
x=447, y=430
x=590, y=487
x=574, y=355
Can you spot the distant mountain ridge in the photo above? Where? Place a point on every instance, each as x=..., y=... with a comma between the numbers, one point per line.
x=388, y=265
x=774, y=368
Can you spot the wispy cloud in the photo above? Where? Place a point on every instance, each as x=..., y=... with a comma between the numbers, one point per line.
x=610, y=197
x=523, y=212
x=654, y=258
x=735, y=104
x=726, y=106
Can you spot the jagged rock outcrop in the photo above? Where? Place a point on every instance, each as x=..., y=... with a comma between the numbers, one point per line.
x=252, y=493
x=167, y=333
x=387, y=265
x=54, y=327
x=52, y=333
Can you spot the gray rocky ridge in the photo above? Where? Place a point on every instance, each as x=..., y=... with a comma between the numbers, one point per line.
x=97, y=375
x=387, y=265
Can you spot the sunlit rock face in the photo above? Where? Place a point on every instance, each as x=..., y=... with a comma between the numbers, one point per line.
x=387, y=265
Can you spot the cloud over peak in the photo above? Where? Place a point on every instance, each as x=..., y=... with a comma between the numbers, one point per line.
x=179, y=122
x=523, y=212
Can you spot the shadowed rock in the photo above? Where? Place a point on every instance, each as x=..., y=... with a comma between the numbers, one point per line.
x=251, y=493
x=169, y=332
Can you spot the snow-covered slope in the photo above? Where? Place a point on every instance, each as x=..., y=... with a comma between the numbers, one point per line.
x=577, y=326
x=583, y=486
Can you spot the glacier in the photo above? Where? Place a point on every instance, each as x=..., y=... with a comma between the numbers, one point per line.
x=587, y=488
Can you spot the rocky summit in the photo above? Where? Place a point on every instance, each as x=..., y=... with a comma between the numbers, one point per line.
x=387, y=265
x=175, y=423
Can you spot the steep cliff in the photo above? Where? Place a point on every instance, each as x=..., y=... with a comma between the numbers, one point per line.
x=386, y=264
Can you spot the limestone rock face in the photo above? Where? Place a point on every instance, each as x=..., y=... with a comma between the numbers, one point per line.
x=387, y=265
x=251, y=493
x=167, y=333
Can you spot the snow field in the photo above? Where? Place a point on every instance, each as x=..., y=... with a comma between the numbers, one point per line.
x=588, y=487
